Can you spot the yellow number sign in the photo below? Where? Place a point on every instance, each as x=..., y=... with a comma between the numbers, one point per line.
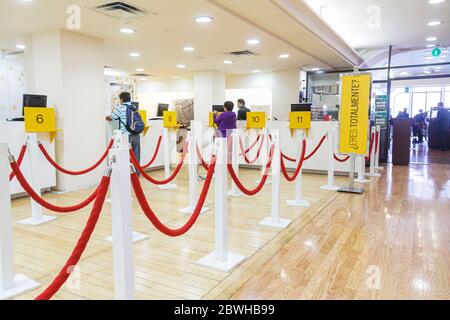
x=39, y=120
x=212, y=124
x=354, y=113
x=256, y=120
x=170, y=119
x=300, y=120
x=143, y=114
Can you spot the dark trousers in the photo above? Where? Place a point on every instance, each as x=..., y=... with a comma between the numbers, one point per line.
x=443, y=136
x=135, y=141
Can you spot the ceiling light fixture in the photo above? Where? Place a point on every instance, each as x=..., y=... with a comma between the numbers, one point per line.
x=135, y=54
x=315, y=69
x=189, y=49
x=431, y=45
x=181, y=66
x=284, y=56
x=256, y=71
x=429, y=39
x=404, y=73
x=228, y=62
x=143, y=79
x=203, y=19
x=253, y=42
x=21, y=46
x=435, y=1
x=426, y=72
x=140, y=69
x=434, y=23
x=127, y=30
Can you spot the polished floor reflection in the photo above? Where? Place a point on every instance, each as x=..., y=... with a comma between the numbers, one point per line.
x=393, y=242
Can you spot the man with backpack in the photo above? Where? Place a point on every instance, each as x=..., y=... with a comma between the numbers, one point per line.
x=130, y=122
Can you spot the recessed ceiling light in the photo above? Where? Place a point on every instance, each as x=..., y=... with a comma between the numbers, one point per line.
x=143, y=79
x=284, y=56
x=256, y=71
x=426, y=72
x=435, y=1
x=431, y=45
x=320, y=71
x=21, y=46
x=228, y=62
x=181, y=66
x=404, y=73
x=175, y=77
x=315, y=69
x=140, y=69
x=431, y=39
x=189, y=49
x=135, y=54
x=253, y=42
x=127, y=30
x=203, y=19
x=434, y=23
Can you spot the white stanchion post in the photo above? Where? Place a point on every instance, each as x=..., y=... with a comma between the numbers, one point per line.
x=298, y=201
x=274, y=220
x=352, y=166
x=120, y=142
x=37, y=218
x=220, y=258
x=166, y=140
x=264, y=154
x=235, y=192
x=193, y=174
x=372, y=156
x=377, y=156
x=122, y=237
x=361, y=164
x=331, y=140
x=11, y=284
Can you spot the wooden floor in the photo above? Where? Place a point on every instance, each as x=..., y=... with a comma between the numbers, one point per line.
x=400, y=226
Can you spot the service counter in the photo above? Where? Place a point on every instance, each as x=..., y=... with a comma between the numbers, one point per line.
x=14, y=134
x=149, y=142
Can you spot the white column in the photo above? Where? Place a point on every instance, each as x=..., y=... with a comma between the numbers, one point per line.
x=122, y=237
x=11, y=285
x=166, y=141
x=235, y=192
x=372, y=155
x=274, y=220
x=193, y=173
x=298, y=201
x=330, y=137
x=37, y=218
x=209, y=90
x=220, y=258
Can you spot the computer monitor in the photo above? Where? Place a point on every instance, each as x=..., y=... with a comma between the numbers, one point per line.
x=301, y=107
x=33, y=101
x=161, y=108
x=218, y=108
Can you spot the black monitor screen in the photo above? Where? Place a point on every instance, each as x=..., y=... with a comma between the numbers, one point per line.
x=218, y=108
x=161, y=108
x=34, y=101
x=301, y=107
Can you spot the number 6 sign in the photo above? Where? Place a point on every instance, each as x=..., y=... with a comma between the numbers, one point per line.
x=39, y=119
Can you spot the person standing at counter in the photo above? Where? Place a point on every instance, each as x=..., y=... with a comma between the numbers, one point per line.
x=226, y=120
x=442, y=120
x=242, y=112
x=419, y=126
x=120, y=114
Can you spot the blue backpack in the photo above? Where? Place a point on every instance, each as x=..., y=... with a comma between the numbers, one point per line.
x=135, y=125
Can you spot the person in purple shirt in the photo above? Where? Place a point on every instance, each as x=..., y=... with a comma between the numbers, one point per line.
x=226, y=120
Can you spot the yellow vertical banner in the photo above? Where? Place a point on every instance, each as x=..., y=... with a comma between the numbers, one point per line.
x=143, y=114
x=354, y=113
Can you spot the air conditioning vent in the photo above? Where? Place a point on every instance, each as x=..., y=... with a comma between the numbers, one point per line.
x=122, y=11
x=242, y=53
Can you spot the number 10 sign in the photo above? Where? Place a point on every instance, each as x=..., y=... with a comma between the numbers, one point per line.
x=39, y=119
x=256, y=120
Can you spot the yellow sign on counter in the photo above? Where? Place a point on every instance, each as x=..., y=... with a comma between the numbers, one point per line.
x=354, y=113
x=212, y=124
x=170, y=119
x=300, y=120
x=143, y=114
x=39, y=119
x=256, y=120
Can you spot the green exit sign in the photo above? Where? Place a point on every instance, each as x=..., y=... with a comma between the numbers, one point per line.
x=436, y=52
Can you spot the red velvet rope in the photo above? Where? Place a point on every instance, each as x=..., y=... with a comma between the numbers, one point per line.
x=299, y=166
x=261, y=184
x=158, y=145
x=339, y=159
x=377, y=141
x=19, y=160
x=199, y=155
x=154, y=219
x=316, y=148
x=28, y=189
x=257, y=154
x=370, y=145
x=75, y=256
x=75, y=173
x=249, y=148
x=153, y=180
x=288, y=158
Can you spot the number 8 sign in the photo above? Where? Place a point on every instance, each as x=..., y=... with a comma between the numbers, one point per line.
x=170, y=119
x=39, y=119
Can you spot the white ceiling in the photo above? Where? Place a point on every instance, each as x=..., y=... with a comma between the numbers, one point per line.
x=401, y=22
x=160, y=38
